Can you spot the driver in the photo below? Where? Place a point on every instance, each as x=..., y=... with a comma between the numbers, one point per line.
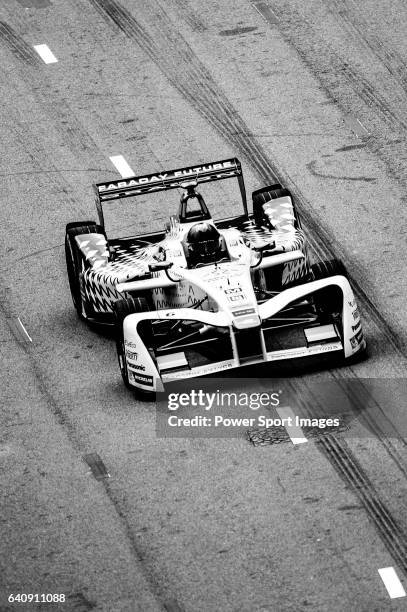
x=204, y=244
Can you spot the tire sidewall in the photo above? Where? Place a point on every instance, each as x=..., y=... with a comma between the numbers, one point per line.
x=73, y=275
x=121, y=355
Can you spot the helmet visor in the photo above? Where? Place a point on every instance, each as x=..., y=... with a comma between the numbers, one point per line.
x=206, y=248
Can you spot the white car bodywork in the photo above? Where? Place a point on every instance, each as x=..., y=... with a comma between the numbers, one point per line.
x=222, y=284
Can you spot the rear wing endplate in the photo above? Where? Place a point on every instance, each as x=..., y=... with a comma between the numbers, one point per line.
x=170, y=179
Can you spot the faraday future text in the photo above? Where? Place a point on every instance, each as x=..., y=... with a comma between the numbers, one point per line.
x=259, y=421
x=157, y=178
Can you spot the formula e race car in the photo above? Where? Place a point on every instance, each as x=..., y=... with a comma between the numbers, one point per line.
x=205, y=295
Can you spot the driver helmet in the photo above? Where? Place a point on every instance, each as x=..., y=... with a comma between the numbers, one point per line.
x=204, y=242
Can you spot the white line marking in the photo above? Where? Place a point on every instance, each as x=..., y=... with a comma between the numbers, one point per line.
x=391, y=582
x=356, y=126
x=26, y=335
x=122, y=166
x=295, y=432
x=265, y=11
x=45, y=54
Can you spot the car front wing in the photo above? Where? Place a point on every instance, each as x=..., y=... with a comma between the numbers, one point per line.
x=150, y=373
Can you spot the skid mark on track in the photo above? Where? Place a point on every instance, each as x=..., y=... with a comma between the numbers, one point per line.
x=17, y=45
x=363, y=405
x=375, y=419
x=350, y=470
x=175, y=58
x=38, y=157
x=341, y=457
x=348, y=90
x=312, y=168
x=80, y=602
x=96, y=465
x=340, y=79
x=351, y=147
x=38, y=4
x=361, y=31
x=237, y=31
x=80, y=443
x=188, y=75
x=187, y=14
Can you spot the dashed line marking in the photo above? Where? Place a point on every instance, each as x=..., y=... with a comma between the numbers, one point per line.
x=392, y=582
x=356, y=126
x=18, y=329
x=25, y=333
x=265, y=11
x=295, y=433
x=45, y=54
x=97, y=466
x=122, y=166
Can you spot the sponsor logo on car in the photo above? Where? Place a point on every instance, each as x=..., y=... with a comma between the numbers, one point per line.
x=303, y=351
x=143, y=379
x=131, y=344
x=234, y=290
x=244, y=311
x=356, y=339
x=136, y=366
x=131, y=355
x=324, y=348
x=217, y=367
x=355, y=327
x=164, y=176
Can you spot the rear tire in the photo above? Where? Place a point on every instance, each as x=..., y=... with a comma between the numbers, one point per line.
x=75, y=224
x=75, y=261
x=327, y=268
x=266, y=194
x=123, y=308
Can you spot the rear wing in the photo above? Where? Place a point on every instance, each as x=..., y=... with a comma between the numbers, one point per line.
x=171, y=179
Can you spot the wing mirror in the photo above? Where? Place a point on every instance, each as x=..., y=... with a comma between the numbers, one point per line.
x=160, y=265
x=257, y=253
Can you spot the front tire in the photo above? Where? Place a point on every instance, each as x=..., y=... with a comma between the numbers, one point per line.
x=123, y=308
x=327, y=300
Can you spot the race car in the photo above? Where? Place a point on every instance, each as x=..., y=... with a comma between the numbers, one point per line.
x=207, y=295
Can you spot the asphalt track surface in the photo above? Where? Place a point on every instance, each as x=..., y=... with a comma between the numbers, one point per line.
x=312, y=94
